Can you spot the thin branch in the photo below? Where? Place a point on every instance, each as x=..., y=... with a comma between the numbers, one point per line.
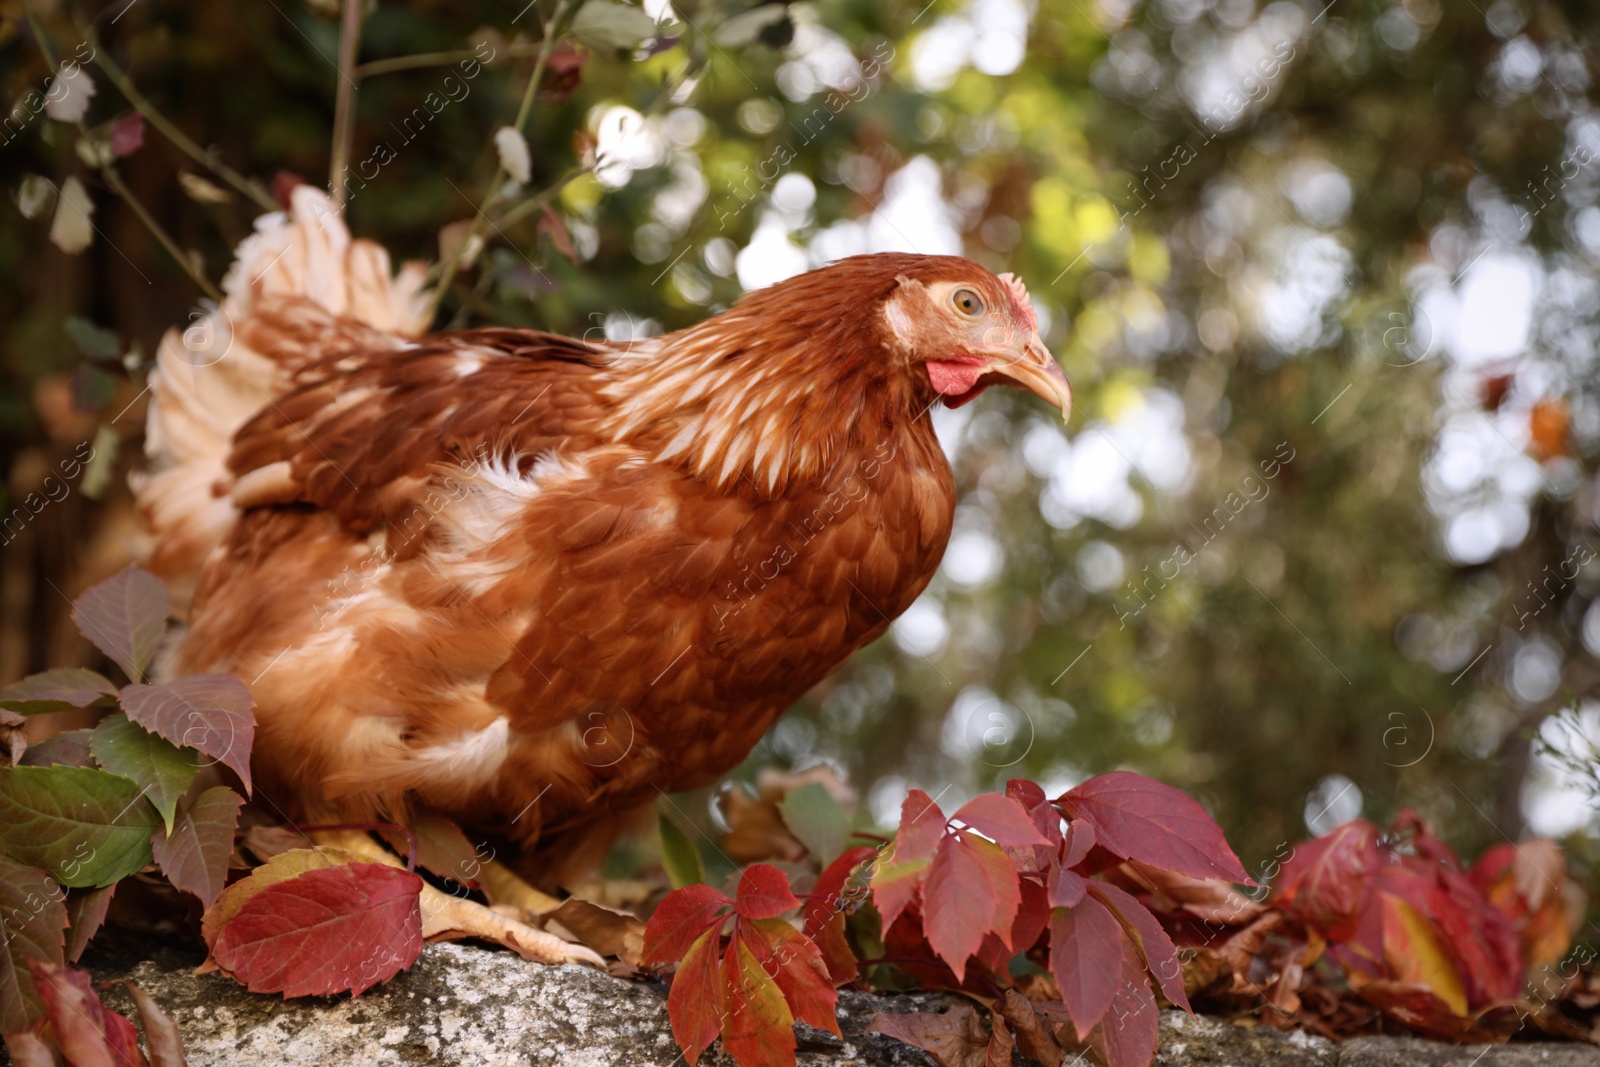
x=531, y=204
x=344, y=112
x=114, y=179
x=248, y=186
x=393, y=65
x=447, y=274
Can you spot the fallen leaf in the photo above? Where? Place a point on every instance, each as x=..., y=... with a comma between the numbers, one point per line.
x=1033, y=1038
x=954, y=1037
x=161, y=1035
x=606, y=930
x=324, y=931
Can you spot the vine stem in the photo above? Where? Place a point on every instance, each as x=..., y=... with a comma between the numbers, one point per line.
x=395, y=64
x=447, y=272
x=114, y=180
x=114, y=74
x=344, y=110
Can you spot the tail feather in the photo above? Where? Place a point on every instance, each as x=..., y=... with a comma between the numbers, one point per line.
x=213, y=376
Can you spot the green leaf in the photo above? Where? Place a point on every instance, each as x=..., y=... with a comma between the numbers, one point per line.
x=92, y=340
x=34, y=917
x=607, y=25
x=163, y=769
x=62, y=689
x=814, y=817
x=86, y=827
x=679, y=857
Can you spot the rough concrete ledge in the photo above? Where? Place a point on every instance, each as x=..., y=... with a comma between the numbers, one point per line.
x=463, y=1006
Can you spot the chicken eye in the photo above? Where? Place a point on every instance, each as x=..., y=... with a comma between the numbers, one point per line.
x=967, y=302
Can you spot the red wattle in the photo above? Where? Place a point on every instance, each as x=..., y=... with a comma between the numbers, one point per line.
x=953, y=377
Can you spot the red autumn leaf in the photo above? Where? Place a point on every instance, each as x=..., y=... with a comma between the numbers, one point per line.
x=1000, y=819
x=921, y=828
x=1087, y=947
x=195, y=857
x=1127, y=1035
x=796, y=964
x=899, y=874
x=161, y=1035
x=1151, y=942
x=328, y=930
x=1141, y=819
x=764, y=893
x=1079, y=840
x=212, y=713
x=1416, y=954
x=680, y=920
x=1324, y=882
x=971, y=889
x=89, y=1034
x=825, y=919
x=1482, y=939
x=824, y=902
x=127, y=135
x=694, y=1005
x=1422, y=1009
x=757, y=1025
x=1067, y=888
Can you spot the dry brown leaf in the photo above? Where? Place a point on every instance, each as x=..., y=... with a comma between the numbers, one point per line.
x=606, y=930
x=756, y=830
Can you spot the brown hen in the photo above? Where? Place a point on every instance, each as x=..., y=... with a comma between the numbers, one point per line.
x=527, y=581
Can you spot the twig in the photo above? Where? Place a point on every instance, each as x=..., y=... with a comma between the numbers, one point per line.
x=552, y=32
x=532, y=203
x=114, y=179
x=344, y=111
x=249, y=187
x=435, y=59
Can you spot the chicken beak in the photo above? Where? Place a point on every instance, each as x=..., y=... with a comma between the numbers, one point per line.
x=1035, y=370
